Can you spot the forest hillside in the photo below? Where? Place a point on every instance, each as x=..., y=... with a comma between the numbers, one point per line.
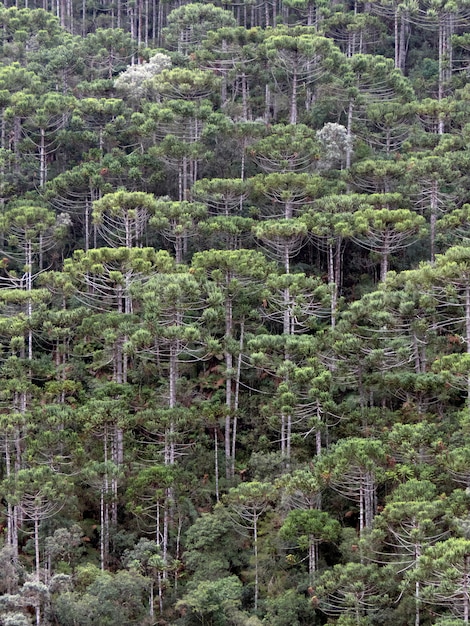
x=235, y=313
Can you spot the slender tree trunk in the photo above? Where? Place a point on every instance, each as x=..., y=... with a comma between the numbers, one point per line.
x=293, y=104
x=244, y=98
x=467, y=333
x=179, y=248
x=417, y=601
x=433, y=218
x=402, y=41
x=36, y=548
x=88, y=209
x=286, y=420
x=318, y=431
x=173, y=378
x=349, y=135
x=42, y=159
x=333, y=286
x=267, y=100
x=466, y=592
x=228, y=380
x=216, y=464
x=84, y=18
x=371, y=503
x=255, y=541
x=396, y=38
x=102, y=533
x=151, y=601
x=361, y=508
x=38, y=612
x=236, y=399
x=312, y=558
x=441, y=78
x=384, y=254
x=160, y=593
x=104, y=505
x=29, y=289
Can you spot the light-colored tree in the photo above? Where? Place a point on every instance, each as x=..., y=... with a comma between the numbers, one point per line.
x=135, y=82
x=336, y=143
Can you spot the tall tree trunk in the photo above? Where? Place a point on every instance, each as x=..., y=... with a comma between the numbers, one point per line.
x=349, y=134
x=293, y=103
x=236, y=399
x=433, y=218
x=228, y=381
x=255, y=541
x=467, y=334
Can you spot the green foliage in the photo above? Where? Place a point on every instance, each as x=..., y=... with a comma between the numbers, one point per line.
x=213, y=601
x=352, y=591
x=234, y=441
x=189, y=24
x=290, y=608
x=310, y=526
x=106, y=600
x=442, y=571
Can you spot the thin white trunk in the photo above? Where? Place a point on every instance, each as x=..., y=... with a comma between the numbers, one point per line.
x=236, y=398
x=293, y=104
x=349, y=135
x=151, y=601
x=255, y=540
x=228, y=380
x=465, y=590
x=216, y=465
x=36, y=548
x=467, y=334
x=42, y=159
x=433, y=220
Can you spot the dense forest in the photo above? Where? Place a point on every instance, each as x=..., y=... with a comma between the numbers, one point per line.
x=235, y=313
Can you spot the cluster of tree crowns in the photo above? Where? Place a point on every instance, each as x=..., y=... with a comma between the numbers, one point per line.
x=235, y=314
